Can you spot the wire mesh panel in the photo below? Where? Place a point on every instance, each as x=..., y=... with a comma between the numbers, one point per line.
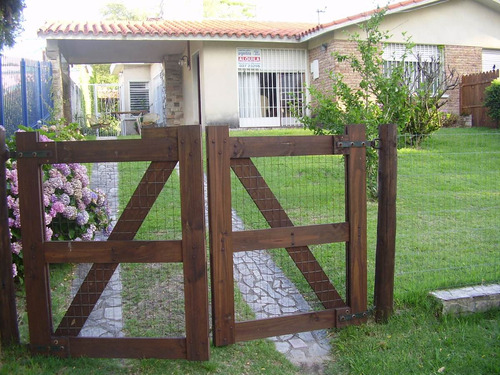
x=277, y=226
x=448, y=204
x=143, y=277
x=310, y=190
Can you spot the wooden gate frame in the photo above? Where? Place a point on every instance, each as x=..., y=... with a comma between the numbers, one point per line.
x=225, y=152
x=164, y=147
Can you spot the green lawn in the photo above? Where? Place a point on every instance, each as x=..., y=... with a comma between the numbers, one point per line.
x=447, y=236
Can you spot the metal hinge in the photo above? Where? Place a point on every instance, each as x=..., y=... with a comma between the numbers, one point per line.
x=31, y=154
x=348, y=144
x=359, y=315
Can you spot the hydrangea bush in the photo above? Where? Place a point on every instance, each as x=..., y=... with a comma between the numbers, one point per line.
x=73, y=211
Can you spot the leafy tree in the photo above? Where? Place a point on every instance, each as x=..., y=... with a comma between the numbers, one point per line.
x=383, y=96
x=10, y=21
x=118, y=11
x=101, y=74
x=228, y=9
x=492, y=100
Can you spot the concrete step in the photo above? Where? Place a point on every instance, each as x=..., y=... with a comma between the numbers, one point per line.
x=469, y=299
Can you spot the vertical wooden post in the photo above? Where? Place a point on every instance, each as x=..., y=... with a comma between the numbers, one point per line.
x=221, y=248
x=193, y=242
x=9, y=331
x=33, y=231
x=356, y=217
x=386, y=227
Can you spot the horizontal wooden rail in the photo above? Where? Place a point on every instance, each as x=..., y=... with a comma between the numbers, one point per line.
x=284, y=237
x=246, y=147
x=150, y=149
x=284, y=325
x=113, y=251
x=165, y=348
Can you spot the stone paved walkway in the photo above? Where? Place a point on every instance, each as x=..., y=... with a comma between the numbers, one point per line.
x=106, y=318
x=269, y=293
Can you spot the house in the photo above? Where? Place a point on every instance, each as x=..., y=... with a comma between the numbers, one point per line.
x=252, y=73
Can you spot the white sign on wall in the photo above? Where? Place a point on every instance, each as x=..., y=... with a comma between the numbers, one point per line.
x=249, y=58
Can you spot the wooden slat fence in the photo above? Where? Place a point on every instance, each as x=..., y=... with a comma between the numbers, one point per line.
x=472, y=97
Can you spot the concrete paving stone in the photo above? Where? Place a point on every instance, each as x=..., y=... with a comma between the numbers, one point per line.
x=297, y=356
x=249, y=280
x=272, y=310
x=306, y=336
x=287, y=302
x=113, y=313
x=297, y=343
x=289, y=310
x=282, y=346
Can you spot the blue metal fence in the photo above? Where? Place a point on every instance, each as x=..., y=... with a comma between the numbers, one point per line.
x=25, y=93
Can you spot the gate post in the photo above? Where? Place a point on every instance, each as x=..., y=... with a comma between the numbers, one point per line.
x=193, y=242
x=9, y=332
x=356, y=217
x=221, y=255
x=36, y=270
x=386, y=227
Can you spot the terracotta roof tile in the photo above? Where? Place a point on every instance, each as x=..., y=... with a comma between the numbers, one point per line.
x=212, y=28
x=221, y=28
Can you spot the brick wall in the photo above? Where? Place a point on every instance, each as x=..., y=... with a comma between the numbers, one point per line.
x=465, y=60
x=174, y=108
x=327, y=64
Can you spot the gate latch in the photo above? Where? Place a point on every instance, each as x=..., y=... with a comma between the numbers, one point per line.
x=359, y=315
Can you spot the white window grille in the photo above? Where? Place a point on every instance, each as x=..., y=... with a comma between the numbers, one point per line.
x=271, y=86
x=139, y=96
x=421, y=62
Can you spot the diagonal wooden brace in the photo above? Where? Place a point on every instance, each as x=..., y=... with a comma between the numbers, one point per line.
x=128, y=224
x=275, y=215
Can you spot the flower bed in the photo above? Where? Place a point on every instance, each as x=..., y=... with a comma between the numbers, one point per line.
x=73, y=211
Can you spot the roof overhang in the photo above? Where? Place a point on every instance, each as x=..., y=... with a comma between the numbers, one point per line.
x=80, y=51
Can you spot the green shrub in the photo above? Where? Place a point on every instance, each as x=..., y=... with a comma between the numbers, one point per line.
x=492, y=99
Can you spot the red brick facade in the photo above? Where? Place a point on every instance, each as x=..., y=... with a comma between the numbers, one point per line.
x=464, y=60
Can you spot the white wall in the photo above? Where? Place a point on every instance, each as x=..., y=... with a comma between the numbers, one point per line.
x=133, y=72
x=219, y=80
x=453, y=22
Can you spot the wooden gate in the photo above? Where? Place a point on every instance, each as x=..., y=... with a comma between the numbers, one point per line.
x=236, y=153
x=164, y=147
x=472, y=97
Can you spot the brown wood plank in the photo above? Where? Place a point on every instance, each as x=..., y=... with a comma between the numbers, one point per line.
x=160, y=132
x=386, y=223
x=9, y=332
x=36, y=271
x=275, y=238
x=148, y=149
x=275, y=215
x=166, y=348
x=113, y=251
x=356, y=216
x=193, y=242
x=221, y=254
x=125, y=229
x=256, y=329
x=246, y=147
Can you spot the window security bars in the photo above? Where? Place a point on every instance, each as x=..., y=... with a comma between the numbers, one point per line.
x=271, y=86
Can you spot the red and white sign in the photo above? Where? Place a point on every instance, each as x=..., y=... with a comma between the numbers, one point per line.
x=249, y=58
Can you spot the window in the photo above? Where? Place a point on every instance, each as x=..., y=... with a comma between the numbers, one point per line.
x=421, y=64
x=139, y=96
x=271, y=86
